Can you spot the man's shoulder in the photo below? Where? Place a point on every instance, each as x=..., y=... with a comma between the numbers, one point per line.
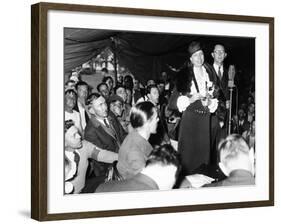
x=135, y=137
x=92, y=124
x=86, y=147
x=91, y=131
x=209, y=68
x=137, y=182
x=134, y=142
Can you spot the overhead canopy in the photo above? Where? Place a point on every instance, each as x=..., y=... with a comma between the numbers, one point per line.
x=147, y=54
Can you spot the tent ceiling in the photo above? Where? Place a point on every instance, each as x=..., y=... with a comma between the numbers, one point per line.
x=147, y=54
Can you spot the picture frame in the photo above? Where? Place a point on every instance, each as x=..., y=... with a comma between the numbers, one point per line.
x=41, y=23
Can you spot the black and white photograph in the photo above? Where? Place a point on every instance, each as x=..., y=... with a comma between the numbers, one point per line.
x=149, y=111
x=157, y=111
x=139, y=112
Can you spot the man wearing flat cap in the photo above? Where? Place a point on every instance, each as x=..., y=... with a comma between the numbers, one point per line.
x=197, y=102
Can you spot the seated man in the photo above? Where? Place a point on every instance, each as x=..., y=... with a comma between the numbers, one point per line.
x=236, y=161
x=161, y=135
x=70, y=84
x=116, y=103
x=109, y=81
x=103, y=129
x=159, y=173
x=70, y=98
x=121, y=91
x=103, y=90
x=236, y=165
x=240, y=123
x=77, y=152
x=135, y=148
x=82, y=89
x=137, y=92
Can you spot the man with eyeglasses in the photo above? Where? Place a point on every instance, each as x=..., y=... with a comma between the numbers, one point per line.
x=219, y=54
x=219, y=119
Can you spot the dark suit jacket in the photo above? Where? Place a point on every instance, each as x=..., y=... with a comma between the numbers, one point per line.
x=222, y=83
x=236, y=178
x=138, y=182
x=97, y=134
x=137, y=94
x=237, y=128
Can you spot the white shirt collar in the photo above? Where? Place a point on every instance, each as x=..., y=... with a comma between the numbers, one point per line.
x=217, y=68
x=102, y=120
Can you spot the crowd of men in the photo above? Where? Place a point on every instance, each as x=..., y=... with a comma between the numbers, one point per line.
x=118, y=137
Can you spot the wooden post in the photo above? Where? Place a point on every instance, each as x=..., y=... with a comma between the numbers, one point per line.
x=114, y=49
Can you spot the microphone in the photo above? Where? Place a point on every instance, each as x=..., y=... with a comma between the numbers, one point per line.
x=231, y=75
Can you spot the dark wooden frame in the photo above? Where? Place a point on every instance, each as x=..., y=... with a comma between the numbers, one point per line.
x=39, y=110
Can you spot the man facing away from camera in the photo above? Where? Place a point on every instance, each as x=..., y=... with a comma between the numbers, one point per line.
x=237, y=164
x=159, y=173
x=236, y=161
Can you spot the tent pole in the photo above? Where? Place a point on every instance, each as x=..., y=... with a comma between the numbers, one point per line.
x=115, y=63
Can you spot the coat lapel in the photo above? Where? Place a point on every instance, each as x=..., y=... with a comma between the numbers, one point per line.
x=98, y=124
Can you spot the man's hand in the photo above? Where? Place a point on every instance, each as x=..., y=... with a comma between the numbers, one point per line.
x=194, y=97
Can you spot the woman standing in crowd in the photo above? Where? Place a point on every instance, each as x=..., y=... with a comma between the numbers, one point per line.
x=197, y=103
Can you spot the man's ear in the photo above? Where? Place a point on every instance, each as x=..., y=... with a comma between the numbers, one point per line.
x=213, y=55
x=225, y=55
x=91, y=110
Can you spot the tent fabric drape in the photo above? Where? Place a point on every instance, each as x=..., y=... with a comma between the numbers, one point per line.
x=145, y=54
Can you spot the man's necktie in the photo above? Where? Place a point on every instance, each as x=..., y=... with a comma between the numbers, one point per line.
x=106, y=123
x=219, y=72
x=76, y=159
x=112, y=130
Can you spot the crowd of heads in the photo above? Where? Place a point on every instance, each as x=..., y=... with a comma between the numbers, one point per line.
x=116, y=96
x=139, y=106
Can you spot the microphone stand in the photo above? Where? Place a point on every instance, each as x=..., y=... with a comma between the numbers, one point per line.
x=231, y=75
x=230, y=109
